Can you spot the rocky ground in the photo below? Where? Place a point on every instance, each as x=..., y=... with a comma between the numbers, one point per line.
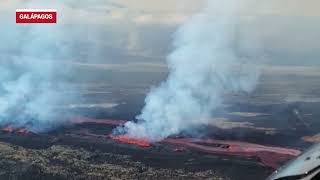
x=63, y=162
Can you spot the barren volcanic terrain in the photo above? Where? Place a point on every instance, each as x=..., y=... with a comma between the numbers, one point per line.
x=86, y=150
x=77, y=152
x=248, y=139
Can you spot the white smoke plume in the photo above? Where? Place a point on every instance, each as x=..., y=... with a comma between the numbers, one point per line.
x=32, y=82
x=30, y=87
x=203, y=66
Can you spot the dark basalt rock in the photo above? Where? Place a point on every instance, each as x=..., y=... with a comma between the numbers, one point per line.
x=63, y=162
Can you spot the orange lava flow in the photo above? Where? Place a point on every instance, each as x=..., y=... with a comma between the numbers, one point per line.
x=268, y=155
x=22, y=131
x=128, y=140
x=10, y=129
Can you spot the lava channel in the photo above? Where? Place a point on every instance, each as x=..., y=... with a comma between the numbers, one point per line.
x=128, y=140
x=10, y=129
x=268, y=155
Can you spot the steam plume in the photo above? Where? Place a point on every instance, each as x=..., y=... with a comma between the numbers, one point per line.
x=30, y=86
x=203, y=66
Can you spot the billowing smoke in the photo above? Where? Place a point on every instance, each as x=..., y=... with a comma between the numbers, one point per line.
x=38, y=75
x=204, y=65
x=30, y=87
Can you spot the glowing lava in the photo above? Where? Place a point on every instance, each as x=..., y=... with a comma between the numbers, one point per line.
x=10, y=129
x=22, y=131
x=268, y=155
x=128, y=140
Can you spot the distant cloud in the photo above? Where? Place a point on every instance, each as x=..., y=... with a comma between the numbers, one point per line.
x=287, y=31
x=160, y=19
x=155, y=12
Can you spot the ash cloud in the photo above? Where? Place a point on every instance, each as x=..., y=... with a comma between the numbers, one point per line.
x=203, y=65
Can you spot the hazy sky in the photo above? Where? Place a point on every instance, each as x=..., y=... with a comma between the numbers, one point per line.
x=121, y=41
x=140, y=31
